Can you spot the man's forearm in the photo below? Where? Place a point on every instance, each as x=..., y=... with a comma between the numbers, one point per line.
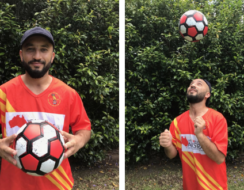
x=170, y=151
x=210, y=149
x=84, y=136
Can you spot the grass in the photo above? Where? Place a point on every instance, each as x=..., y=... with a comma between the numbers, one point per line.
x=104, y=175
x=167, y=174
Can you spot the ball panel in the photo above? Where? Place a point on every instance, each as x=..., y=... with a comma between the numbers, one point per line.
x=192, y=31
x=21, y=129
x=190, y=21
x=18, y=162
x=56, y=149
x=188, y=38
x=47, y=166
x=200, y=26
x=191, y=12
x=40, y=147
x=62, y=139
x=198, y=16
x=32, y=131
x=21, y=146
x=33, y=174
x=29, y=162
x=48, y=131
x=205, y=30
x=182, y=29
x=199, y=37
x=183, y=19
x=182, y=35
x=61, y=159
x=205, y=20
x=37, y=121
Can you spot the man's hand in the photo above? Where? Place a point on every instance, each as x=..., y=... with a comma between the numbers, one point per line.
x=75, y=142
x=6, y=152
x=165, y=139
x=199, y=125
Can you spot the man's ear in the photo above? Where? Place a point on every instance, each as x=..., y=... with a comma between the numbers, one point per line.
x=207, y=95
x=53, y=56
x=21, y=56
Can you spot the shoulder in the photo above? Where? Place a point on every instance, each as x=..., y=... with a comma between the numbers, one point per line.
x=65, y=88
x=215, y=114
x=10, y=84
x=181, y=117
x=216, y=117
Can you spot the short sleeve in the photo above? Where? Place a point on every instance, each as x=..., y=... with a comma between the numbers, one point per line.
x=78, y=116
x=220, y=135
x=172, y=131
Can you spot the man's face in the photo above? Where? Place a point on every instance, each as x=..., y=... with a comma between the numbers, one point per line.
x=197, y=91
x=37, y=56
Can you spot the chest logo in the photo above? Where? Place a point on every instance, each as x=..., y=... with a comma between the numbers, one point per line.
x=54, y=99
x=190, y=143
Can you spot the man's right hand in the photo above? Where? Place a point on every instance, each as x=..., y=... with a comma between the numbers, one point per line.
x=5, y=151
x=165, y=139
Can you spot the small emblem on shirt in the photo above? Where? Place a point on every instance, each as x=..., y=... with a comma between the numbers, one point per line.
x=54, y=99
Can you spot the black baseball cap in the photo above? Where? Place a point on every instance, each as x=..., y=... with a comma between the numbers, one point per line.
x=210, y=90
x=37, y=31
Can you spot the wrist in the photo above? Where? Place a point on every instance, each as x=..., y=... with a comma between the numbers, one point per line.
x=200, y=135
x=170, y=146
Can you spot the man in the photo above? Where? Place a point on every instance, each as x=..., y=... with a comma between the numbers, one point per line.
x=38, y=95
x=201, y=138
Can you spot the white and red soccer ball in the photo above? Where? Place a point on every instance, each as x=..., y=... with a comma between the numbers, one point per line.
x=193, y=25
x=40, y=148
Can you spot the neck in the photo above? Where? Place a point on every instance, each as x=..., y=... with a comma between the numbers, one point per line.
x=198, y=109
x=38, y=85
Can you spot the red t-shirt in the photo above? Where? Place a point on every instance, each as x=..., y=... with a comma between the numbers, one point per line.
x=60, y=105
x=199, y=171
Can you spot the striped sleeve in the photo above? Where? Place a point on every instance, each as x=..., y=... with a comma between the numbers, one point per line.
x=175, y=132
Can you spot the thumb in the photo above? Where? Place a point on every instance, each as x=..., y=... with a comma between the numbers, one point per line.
x=166, y=130
x=11, y=138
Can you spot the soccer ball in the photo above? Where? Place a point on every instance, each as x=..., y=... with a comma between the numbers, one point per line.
x=40, y=148
x=193, y=25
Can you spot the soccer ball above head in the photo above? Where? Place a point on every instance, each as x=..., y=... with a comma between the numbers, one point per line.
x=40, y=148
x=193, y=25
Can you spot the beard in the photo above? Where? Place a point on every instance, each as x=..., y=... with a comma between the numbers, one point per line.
x=36, y=73
x=193, y=99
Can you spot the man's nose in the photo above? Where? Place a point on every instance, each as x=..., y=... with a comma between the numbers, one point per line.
x=37, y=55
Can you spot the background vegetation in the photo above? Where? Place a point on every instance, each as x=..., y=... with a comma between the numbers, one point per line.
x=86, y=37
x=160, y=65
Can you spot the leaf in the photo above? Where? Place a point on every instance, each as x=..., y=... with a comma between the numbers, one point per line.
x=114, y=184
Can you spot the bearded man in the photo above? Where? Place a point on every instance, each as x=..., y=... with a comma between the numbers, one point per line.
x=200, y=137
x=36, y=95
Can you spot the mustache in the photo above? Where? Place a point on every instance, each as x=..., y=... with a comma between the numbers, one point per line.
x=37, y=61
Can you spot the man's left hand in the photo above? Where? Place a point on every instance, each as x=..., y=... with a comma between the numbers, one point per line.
x=199, y=125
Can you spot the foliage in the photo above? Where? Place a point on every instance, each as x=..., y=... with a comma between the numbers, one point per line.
x=160, y=65
x=86, y=46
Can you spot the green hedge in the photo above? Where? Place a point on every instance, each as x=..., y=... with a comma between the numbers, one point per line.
x=86, y=45
x=160, y=65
